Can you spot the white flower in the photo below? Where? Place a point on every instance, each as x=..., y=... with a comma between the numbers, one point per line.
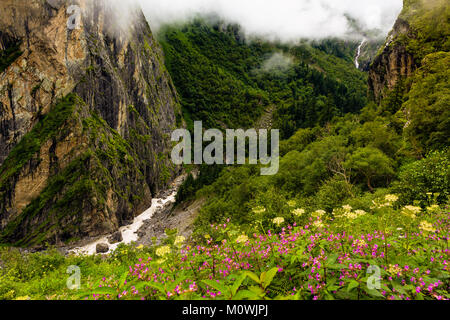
x=411, y=211
x=318, y=213
x=298, y=212
x=259, y=210
x=347, y=207
x=278, y=221
x=318, y=224
x=391, y=198
x=426, y=226
x=162, y=251
x=242, y=239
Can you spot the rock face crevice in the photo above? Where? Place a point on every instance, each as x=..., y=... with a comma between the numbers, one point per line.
x=85, y=120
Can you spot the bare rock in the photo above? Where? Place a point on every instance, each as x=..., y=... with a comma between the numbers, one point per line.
x=115, y=237
x=102, y=248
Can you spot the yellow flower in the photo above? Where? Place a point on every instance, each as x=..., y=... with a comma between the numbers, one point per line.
x=179, y=240
x=292, y=203
x=347, y=207
x=298, y=212
x=162, y=251
x=411, y=211
x=318, y=213
x=140, y=247
x=207, y=236
x=426, y=226
x=433, y=208
x=391, y=198
x=23, y=298
x=242, y=239
x=278, y=221
x=394, y=269
x=318, y=224
x=259, y=210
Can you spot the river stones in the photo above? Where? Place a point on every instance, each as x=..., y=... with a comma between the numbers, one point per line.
x=102, y=248
x=115, y=237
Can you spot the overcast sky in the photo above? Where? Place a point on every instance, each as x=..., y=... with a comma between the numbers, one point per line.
x=283, y=19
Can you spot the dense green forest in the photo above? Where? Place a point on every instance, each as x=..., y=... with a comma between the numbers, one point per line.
x=228, y=81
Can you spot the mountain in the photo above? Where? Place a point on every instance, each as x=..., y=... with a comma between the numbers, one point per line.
x=228, y=81
x=85, y=120
x=409, y=77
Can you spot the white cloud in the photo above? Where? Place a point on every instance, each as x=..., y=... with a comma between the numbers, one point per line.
x=282, y=19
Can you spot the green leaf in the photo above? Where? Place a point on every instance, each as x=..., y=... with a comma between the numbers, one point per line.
x=237, y=284
x=352, y=285
x=257, y=290
x=252, y=276
x=104, y=290
x=157, y=286
x=268, y=277
x=219, y=287
x=374, y=293
x=246, y=294
x=122, y=280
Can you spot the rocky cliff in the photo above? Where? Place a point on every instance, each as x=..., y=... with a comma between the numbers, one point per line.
x=419, y=30
x=392, y=64
x=85, y=119
x=409, y=77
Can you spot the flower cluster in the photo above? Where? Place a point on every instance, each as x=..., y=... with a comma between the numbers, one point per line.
x=318, y=259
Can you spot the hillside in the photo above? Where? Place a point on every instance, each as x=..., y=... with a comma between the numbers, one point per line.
x=226, y=80
x=84, y=119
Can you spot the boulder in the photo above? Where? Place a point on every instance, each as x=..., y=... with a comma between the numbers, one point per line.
x=102, y=248
x=115, y=237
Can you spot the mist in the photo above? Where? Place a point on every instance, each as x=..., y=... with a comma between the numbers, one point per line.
x=284, y=20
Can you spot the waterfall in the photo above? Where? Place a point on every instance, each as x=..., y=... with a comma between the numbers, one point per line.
x=358, y=54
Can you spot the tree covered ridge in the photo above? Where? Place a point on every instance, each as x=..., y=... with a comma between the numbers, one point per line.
x=226, y=80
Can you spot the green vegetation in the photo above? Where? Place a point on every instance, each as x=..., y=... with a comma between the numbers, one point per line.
x=429, y=21
x=428, y=101
x=47, y=127
x=228, y=82
x=8, y=56
x=301, y=255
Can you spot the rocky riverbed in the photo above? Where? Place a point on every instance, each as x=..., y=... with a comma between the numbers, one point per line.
x=148, y=226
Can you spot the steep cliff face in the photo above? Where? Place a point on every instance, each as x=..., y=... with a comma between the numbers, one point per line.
x=393, y=63
x=409, y=78
x=421, y=29
x=85, y=119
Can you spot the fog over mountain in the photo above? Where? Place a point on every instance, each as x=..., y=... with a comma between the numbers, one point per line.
x=286, y=20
